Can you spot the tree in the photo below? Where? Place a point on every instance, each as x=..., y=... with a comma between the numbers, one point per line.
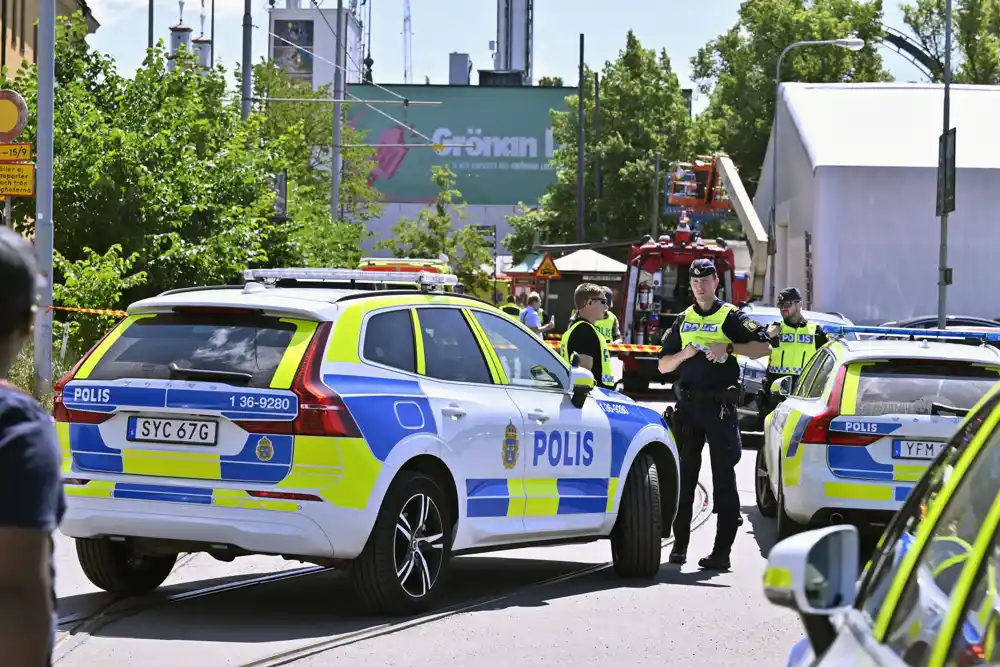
x=975, y=38
x=161, y=165
x=642, y=114
x=433, y=234
x=736, y=69
x=305, y=130
x=551, y=82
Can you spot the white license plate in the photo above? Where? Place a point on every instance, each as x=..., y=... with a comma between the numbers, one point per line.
x=173, y=431
x=916, y=449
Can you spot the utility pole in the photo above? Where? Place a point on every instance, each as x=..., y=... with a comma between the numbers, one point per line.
x=46, y=45
x=579, y=152
x=946, y=176
x=336, y=159
x=150, y=24
x=247, y=57
x=597, y=160
x=212, y=33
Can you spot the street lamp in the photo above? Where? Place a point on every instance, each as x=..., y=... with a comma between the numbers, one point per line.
x=852, y=44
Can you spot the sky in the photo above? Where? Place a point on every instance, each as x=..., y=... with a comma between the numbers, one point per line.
x=466, y=26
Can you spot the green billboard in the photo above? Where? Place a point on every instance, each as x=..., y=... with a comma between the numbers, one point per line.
x=497, y=140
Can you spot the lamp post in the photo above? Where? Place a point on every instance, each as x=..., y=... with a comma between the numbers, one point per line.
x=853, y=45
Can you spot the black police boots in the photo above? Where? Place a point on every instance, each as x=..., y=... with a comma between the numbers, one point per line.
x=715, y=561
x=678, y=556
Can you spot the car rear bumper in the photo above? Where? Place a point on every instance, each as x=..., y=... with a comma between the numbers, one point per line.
x=290, y=533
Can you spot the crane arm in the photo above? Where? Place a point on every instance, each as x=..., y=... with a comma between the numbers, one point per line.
x=752, y=227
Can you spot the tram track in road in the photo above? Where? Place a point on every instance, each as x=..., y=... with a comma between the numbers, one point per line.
x=312, y=649
x=86, y=624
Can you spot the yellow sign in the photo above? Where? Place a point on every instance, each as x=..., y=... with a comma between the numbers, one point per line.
x=547, y=269
x=15, y=152
x=17, y=179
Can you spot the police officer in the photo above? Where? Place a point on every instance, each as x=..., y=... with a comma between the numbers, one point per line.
x=701, y=347
x=583, y=338
x=608, y=325
x=510, y=308
x=793, y=342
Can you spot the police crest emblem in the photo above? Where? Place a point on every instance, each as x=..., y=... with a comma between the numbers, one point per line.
x=510, y=447
x=265, y=449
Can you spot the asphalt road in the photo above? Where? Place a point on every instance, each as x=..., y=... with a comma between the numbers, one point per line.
x=506, y=610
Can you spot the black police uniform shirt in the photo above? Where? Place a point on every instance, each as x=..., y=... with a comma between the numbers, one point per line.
x=31, y=494
x=584, y=340
x=698, y=371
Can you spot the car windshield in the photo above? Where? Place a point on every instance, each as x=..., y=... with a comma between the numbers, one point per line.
x=921, y=386
x=766, y=319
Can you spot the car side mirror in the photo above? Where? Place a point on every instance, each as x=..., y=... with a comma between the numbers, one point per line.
x=581, y=384
x=815, y=573
x=782, y=386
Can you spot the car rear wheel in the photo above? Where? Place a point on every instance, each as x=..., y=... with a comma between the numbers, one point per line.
x=766, y=502
x=116, y=568
x=635, y=539
x=402, y=568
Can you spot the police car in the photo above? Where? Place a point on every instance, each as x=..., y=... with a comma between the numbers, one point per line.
x=929, y=595
x=863, y=423
x=382, y=430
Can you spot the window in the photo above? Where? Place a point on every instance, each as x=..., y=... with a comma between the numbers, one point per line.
x=217, y=342
x=389, y=340
x=922, y=386
x=925, y=600
x=808, y=374
x=976, y=641
x=451, y=351
x=522, y=354
x=824, y=369
x=900, y=533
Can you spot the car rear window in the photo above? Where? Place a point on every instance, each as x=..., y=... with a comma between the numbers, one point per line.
x=217, y=342
x=915, y=386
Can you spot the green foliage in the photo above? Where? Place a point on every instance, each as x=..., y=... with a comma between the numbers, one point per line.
x=736, y=69
x=93, y=281
x=975, y=38
x=434, y=233
x=642, y=114
x=551, y=82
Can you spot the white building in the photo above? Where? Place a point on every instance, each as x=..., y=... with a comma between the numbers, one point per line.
x=303, y=40
x=857, y=230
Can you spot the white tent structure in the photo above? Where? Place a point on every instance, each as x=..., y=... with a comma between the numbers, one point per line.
x=857, y=230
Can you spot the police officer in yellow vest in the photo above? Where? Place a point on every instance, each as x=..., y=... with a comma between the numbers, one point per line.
x=701, y=347
x=793, y=343
x=583, y=338
x=510, y=308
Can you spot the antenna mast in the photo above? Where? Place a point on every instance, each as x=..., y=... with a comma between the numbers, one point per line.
x=407, y=44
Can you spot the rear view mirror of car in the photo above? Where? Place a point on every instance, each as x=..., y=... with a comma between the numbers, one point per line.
x=782, y=386
x=581, y=384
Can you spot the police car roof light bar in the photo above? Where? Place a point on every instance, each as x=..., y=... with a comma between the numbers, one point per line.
x=344, y=275
x=914, y=333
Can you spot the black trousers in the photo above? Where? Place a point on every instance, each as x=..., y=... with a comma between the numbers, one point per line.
x=692, y=424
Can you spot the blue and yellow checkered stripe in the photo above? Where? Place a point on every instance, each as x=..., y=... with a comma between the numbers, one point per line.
x=498, y=497
x=185, y=495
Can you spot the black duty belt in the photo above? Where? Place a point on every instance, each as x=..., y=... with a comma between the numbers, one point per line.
x=728, y=395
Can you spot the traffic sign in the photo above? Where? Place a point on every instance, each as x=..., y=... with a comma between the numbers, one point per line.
x=15, y=152
x=946, y=173
x=547, y=269
x=17, y=179
x=13, y=115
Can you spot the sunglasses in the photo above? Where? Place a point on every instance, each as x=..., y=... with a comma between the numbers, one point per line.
x=788, y=304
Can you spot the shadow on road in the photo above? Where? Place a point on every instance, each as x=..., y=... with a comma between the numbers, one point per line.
x=764, y=530
x=323, y=605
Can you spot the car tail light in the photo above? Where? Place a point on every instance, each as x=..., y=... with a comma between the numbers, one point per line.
x=321, y=411
x=59, y=410
x=817, y=431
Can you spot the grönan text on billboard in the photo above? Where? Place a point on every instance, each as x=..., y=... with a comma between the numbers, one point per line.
x=497, y=140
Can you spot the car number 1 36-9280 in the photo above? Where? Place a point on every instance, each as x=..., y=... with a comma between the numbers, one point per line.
x=177, y=431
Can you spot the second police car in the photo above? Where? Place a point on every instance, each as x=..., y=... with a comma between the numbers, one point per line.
x=863, y=423
x=381, y=430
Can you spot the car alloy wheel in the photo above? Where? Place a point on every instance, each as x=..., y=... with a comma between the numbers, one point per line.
x=418, y=548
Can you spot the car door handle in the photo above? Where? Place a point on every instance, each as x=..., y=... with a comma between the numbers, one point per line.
x=538, y=416
x=453, y=411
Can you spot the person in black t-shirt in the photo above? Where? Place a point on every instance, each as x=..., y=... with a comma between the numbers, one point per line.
x=31, y=496
x=583, y=339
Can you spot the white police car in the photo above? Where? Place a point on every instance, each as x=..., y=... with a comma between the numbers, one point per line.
x=864, y=422
x=304, y=416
